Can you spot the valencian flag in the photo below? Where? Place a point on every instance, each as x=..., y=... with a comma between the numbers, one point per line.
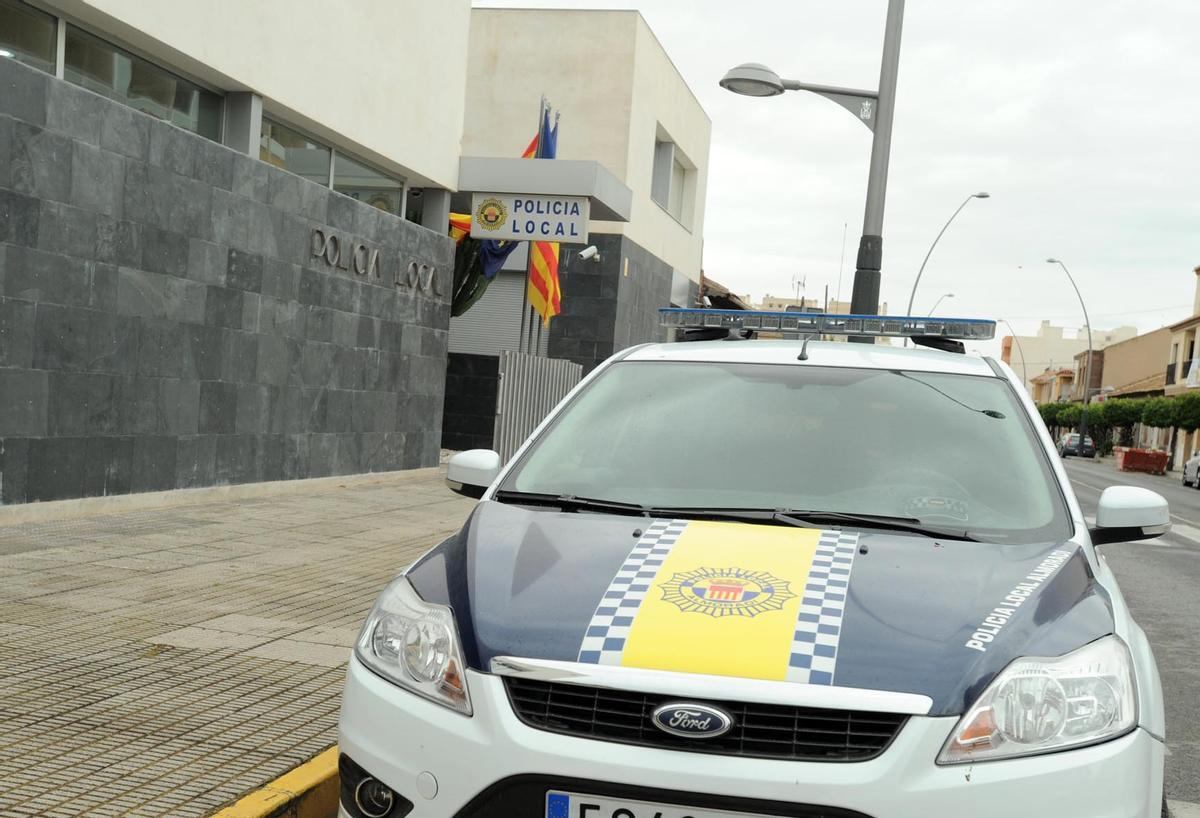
x=543, y=288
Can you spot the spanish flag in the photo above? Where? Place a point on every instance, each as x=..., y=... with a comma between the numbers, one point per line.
x=460, y=226
x=531, y=151
x=543, y=288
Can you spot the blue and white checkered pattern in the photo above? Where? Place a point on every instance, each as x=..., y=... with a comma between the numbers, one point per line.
x=819, y=624
x=606, y=633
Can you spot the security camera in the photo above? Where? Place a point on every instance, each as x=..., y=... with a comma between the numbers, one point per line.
x=589, y=253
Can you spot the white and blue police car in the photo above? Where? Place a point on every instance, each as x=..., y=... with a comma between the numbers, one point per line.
x=767, y=578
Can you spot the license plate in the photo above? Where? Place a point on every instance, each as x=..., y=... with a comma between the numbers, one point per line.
x=575, y=805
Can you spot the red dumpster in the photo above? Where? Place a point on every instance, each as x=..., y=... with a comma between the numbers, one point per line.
x=1143, y=460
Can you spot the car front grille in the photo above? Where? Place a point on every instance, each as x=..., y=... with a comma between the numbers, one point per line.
x=759, y=730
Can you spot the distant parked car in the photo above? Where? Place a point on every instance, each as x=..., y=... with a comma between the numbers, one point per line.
x=1191, y=471
x=1069, y=445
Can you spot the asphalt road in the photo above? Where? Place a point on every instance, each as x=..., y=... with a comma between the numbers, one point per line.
x=1161, y=582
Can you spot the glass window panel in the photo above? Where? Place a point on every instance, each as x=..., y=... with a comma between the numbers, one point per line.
x=660, y=180
x=368, y=185
x=284, y=148
x=27, y=35
x=678, y=180
x=108, y=70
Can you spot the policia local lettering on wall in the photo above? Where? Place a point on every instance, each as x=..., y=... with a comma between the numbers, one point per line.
x=361, y=260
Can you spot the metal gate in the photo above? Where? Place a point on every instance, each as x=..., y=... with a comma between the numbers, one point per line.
x=530, y=386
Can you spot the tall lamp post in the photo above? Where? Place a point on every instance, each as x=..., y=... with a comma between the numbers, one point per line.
x=939, y=301
x=874, y=109
x=912, y=295
x=1083, y=415
x=1017, y=341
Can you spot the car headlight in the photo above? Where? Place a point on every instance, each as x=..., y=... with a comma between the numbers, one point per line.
x=415, y=644
x=1038, y=705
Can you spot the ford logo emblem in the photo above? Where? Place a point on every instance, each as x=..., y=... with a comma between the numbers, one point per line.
x=692, y=720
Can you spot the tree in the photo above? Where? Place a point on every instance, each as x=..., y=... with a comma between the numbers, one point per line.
x=1049, y=413
x=1124, y=413
x=1161, y=413
x=1188, y=411
x=1069, y=415
x=1099, y=426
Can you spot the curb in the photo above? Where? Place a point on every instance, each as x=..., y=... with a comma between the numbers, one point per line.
x=148, y=501
x=307, y=791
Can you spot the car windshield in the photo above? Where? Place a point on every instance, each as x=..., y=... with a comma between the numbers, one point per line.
x=948, y=450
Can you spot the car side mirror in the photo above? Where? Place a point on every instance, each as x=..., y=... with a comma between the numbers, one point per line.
x=1128, y=513
x=469, y=473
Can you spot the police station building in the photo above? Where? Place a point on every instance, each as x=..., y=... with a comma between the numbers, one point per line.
x=223, y=229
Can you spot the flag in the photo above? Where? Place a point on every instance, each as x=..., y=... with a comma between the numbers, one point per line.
x=531, y=151
x=543, y=288
x=476, y=263
x=460, y=226
x=493, y=253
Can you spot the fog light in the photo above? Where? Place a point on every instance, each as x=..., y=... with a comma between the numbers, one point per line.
x=373, y=798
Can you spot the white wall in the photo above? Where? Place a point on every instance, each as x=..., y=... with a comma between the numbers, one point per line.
x=614, y=85
x=380, y=78
x=664, y=105
x=581, y=61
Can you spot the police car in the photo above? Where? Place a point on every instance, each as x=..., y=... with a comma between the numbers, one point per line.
x=767, y=578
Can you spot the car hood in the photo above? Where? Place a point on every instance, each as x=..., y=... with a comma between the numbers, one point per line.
x=852, y=608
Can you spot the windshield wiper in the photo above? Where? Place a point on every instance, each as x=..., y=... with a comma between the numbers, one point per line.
x=569, y=502
x=807, y=518
x=910, y=524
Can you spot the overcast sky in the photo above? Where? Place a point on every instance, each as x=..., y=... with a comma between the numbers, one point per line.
x=1080, y=117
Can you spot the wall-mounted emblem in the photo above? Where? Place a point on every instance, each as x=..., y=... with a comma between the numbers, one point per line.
x=491, y=213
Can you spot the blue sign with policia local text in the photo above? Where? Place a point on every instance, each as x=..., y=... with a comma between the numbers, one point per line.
x=524, y=217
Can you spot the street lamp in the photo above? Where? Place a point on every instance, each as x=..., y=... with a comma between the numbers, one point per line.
x=1088, y=377
x=912, y=295
x=872, y=108
x=1017, y=341
x=939, y=301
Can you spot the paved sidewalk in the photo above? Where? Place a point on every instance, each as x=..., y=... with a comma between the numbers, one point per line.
x=162, y=662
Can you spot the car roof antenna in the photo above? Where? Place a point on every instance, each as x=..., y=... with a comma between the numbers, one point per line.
x=803, y=356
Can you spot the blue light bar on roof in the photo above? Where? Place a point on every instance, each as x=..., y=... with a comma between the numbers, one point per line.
x=807, y=323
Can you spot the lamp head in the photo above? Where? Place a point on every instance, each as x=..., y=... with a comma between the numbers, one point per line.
x=752, y=79
x=983, y=194
x=1053, y=261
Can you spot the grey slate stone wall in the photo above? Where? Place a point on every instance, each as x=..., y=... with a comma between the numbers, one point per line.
x=603, y=309
x=165, y=323
x=640, y=295
x=472, y=387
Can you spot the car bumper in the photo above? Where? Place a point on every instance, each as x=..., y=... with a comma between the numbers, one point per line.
x=493, y=763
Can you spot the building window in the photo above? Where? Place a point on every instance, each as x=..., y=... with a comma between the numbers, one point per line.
x=115, y=73
x=291, y=150
x=27, y=35
x=678, y=186
x=284, y=148
x=358, y=181
x=673, y=180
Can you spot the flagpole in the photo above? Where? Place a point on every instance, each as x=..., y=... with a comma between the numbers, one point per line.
x=538, y=343
x=522, y=344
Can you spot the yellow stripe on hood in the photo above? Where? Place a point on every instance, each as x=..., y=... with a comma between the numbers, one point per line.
x=724, y=602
